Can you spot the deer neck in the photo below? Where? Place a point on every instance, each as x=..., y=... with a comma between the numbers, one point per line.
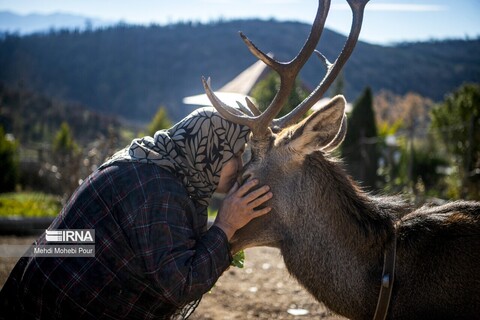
x=335, y=248
x=337, y=203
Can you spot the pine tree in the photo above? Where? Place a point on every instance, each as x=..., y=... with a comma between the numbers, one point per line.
x=63, y=142
x=360, y=146
x=457, y=123
x=160, y=121
x=265, y=91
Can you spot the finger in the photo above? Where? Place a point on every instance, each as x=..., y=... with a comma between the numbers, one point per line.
x=261, y=212
x=261, y=200
x=256, y=193
x=246, y=187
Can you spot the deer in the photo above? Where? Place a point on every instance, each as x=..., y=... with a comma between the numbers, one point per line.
x=363, y=256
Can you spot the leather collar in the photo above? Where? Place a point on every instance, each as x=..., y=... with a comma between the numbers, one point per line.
x=388, y=276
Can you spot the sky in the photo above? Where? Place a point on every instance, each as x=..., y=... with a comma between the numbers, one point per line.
x=386, y=21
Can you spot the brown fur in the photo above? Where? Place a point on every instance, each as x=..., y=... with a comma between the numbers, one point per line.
x=332, y=235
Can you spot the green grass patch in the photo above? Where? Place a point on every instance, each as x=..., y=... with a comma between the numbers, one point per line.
x=29, y=205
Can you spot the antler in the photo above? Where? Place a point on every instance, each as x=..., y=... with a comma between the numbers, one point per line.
x=288, y=71
x=358, y=7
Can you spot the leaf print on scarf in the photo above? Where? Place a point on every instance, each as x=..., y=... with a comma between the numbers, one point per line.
x=195, y=150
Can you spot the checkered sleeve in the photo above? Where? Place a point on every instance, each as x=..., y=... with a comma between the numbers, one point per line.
x=180, y=264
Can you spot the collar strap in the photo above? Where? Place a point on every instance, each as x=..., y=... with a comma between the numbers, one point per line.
x=388, y=275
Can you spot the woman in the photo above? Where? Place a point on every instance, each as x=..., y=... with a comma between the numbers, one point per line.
x=154, y=257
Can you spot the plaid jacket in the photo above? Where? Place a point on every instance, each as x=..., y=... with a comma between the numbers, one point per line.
x=151, y=256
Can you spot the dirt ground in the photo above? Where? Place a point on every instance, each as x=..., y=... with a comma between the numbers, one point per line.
x=263, y=289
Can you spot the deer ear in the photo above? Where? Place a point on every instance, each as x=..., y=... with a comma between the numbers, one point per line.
x=323, y=129
x=339, y=137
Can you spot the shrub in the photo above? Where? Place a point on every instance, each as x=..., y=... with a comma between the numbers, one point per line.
x=29, y=205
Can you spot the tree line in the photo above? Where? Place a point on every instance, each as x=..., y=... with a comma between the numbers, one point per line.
x=393, y=144
x=130, y=70
x=410, y=144
x=50, y=145
x=438, y=157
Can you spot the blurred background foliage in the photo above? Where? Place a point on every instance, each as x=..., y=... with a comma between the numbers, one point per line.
x=429, y=151
x=70, y=99
x=406, y=144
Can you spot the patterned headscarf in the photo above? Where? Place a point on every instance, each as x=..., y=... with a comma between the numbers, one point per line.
x=195, y=149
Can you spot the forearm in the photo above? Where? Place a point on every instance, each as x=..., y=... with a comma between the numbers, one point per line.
x=186, y=276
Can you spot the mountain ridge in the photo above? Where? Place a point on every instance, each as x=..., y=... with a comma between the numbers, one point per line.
x=24, y=24
x=132, y=70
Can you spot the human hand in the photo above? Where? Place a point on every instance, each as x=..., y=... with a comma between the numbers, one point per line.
x=238, y=207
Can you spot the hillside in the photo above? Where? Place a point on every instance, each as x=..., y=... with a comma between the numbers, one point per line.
x=131, y=70
x=35, y=119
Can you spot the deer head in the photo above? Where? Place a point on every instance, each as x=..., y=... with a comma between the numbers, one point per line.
x=280, y=146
